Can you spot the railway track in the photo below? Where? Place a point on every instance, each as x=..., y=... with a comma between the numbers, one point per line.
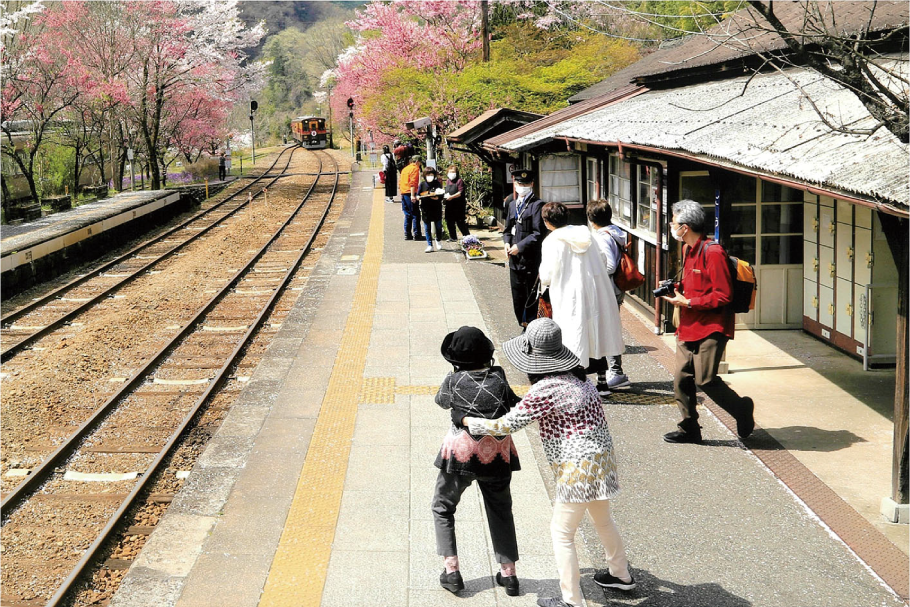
x=74, y=520
x=26, y=325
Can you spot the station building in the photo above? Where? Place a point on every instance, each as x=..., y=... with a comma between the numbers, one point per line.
x=789, y=163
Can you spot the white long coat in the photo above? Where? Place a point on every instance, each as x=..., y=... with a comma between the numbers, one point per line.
x=581, y=292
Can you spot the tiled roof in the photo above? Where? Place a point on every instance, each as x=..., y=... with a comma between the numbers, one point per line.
x=760, y=122
x=566, y=113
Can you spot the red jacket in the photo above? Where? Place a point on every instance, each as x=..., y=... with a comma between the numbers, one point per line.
x=707, y=283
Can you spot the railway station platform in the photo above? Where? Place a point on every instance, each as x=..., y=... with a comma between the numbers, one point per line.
x=43, y=248
x=316, y=488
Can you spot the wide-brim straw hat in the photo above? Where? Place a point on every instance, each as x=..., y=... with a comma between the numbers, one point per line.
x=467, y=346
x=539, y=350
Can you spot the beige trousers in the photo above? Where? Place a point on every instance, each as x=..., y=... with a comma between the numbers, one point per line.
x=566, y=518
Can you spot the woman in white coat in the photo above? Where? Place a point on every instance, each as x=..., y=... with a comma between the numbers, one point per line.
x=581, y=291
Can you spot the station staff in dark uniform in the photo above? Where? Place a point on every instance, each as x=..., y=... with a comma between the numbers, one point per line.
x=524, y=232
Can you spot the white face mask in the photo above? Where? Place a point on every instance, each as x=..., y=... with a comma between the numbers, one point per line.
x=430, y=179
x=522, y=190
x=675, y=235
x=453, y=175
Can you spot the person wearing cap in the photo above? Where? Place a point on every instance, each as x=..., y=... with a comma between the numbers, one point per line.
x=578, y=446
x=522, y=237
x=407, y=186
x=475, y=388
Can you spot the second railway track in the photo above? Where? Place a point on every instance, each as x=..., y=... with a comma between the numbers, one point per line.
x=29, y=323
x=45, y=551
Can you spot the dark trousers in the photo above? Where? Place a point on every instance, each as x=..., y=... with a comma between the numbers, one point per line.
x=411, y=217
x=696, y=367
x=497, y=501
x=524, y=294
x=222, y=173
x=455, y=216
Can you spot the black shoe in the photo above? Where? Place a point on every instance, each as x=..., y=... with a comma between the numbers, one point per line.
x=409, y=238
x=418, y=236
x=745, y=426
x=451, y=581
x=604, y=390
x=683, y=437
x=509, y=582
x=553, y=602
x=608, y=580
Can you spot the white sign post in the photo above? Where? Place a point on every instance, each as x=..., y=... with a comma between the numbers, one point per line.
x=129, y=156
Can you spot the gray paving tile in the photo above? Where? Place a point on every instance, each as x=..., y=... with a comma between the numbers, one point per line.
x=369, y=467
x=375, y=521
x=226, y=580
x=165, y=551
x=144, y=587
x=225, y=452
x=354, y=579
x=251, y=524
x=379, y=425
x=285, y=435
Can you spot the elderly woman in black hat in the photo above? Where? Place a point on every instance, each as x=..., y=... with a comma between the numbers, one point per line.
x=577, y=444
x=477, y=388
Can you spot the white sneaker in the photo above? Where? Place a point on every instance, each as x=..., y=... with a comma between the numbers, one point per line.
x=435, y=245
x=429, y=249
x=618, y=381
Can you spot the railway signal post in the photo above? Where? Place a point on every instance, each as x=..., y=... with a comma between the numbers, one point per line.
x=253, y=107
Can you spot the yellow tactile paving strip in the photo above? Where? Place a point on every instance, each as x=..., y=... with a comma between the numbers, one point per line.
x=298, y=571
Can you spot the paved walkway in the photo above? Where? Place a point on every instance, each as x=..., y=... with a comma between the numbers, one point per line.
x=316, y=489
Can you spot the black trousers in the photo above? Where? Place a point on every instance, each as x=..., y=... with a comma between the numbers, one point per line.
x=455, y=216
x=497, y=501
x=696, y=367
x=524, y=294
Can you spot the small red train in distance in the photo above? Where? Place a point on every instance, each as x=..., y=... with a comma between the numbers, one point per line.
x=310, y=132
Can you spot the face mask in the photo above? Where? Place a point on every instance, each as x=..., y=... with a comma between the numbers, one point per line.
x=430, y=179
x=453, y=175
x=675, y=235
x=523, y=189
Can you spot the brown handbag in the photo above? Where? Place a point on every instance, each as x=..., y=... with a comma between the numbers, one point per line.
x=626, y=277
x=544, y=307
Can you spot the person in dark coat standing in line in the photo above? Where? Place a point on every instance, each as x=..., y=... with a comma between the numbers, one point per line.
x=455, y=204
x=391, y=174
x=222, y=167
x=523, y=234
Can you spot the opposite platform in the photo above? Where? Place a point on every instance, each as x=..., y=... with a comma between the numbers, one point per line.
x=316, y=489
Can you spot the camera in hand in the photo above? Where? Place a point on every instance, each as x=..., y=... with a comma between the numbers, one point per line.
x=665, y=289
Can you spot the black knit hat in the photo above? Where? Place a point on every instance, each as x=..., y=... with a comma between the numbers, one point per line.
x=467, y=346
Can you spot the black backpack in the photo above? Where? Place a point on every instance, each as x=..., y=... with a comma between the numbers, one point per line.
x=400, y=163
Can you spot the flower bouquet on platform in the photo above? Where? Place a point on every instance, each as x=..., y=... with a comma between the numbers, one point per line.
x=472, y=248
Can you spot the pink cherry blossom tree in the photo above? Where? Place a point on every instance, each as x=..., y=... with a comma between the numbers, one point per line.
x=432, y=36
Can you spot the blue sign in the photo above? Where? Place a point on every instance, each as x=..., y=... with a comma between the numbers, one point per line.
x=717, y=215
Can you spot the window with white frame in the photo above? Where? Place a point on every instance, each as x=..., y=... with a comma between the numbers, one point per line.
x=559, y=179
x=620, y=191
x=591, y=177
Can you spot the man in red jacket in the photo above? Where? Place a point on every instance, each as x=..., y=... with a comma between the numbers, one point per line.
x=705, y=326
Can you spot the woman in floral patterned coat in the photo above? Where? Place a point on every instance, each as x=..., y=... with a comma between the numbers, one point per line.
x=578, y=446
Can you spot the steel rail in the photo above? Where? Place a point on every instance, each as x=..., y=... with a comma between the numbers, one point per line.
x=214, y=386
x=216, y=383
x=31, y=307
x=39, y=474
x=11, y=351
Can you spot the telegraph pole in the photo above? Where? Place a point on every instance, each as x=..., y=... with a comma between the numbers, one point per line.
x=485, y=28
